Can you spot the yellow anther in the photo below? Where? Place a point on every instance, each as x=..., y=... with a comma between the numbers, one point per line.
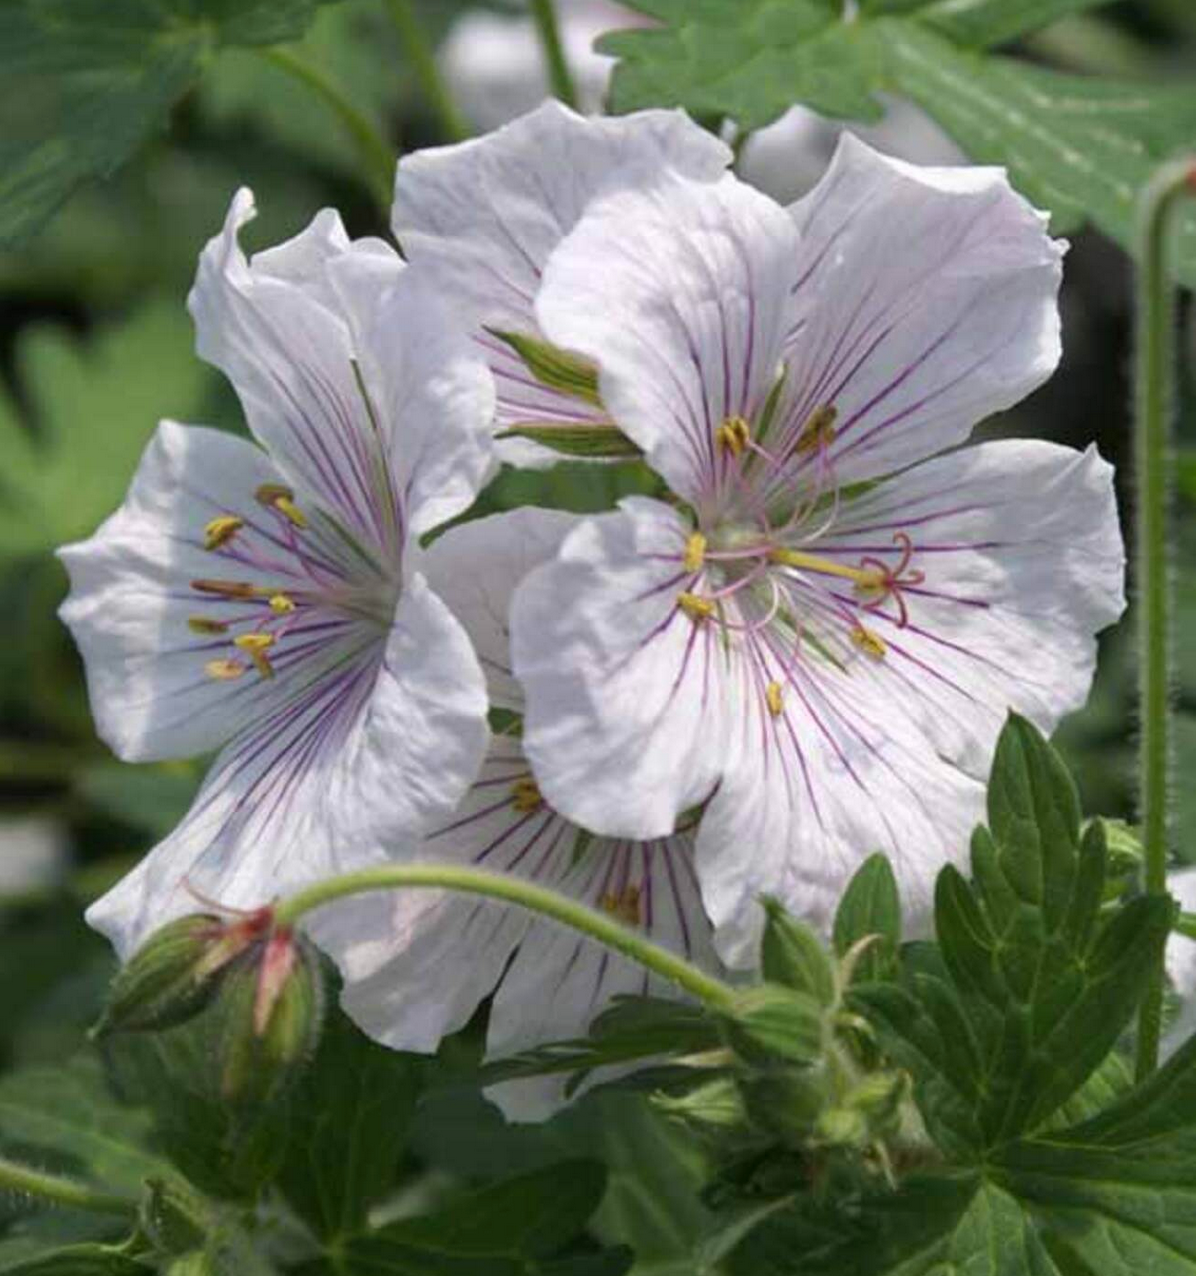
x=281, y=604
x=774, y=699
x=281, y=498
x=871, y=644
x=733, y=435
x=224, y=670
x=227, y=588
x=255, y=646
x=221, y=530
x=818, y=430
x=525, y=794
x=205, y=625
x=694, y=607
x=625, y=904
x=695, y=552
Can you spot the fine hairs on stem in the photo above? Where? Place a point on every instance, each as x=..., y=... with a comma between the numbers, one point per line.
x=1153, y=404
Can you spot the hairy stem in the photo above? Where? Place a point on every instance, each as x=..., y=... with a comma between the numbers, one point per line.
x=559, y=76
x=1153, y=396
x=376, y=153
x=513, y=890
x=423, y=62
x=24, y=1179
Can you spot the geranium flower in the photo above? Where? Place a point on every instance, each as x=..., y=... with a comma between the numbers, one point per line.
x=480, y=219
x=417, y=963
x=268, y=601
x=820, y=637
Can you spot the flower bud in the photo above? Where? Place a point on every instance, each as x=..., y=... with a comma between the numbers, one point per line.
x=273, y=1011
x=792, y=955
x=713, y=1107
x=172, y=1217
x=195, y=1263
x=177, y=971
x=770, y=1025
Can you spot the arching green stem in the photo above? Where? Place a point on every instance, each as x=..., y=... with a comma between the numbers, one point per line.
x=513, y=890
x=24, y=1179
x=376, y=153
x=422, y=57
x=1153, y=396
x=560, y=78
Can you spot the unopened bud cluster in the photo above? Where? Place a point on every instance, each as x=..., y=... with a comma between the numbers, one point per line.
x=262, y=983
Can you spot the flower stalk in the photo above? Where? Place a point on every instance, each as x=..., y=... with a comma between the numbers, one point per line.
x=597, y=925
x=376, y=153
x=560, y=78
x=15, y=1177
x=419, y=50
x=1153, y=399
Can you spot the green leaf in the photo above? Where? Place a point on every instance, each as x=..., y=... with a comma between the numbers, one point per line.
x=870, y=907
x=69, y=1116
x=748, y=59
x=154, y=797
x=84, y=85
x=1083, y=147
x=508, y=1226
x=980, y=23
x=346, y=1134
x=597, y=442
x=935, y=1226
x=1120, y=1189
x=78, y=1260
x=95, y=405
x=1038, y=981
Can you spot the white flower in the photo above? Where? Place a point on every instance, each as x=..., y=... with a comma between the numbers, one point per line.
x=817, y=641
x=269, y=601
x=481, y=218
x=417, y=963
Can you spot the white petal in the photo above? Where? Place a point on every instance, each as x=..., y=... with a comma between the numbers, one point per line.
x=482, y=217
x=681, y=294
x=129, y=602
x=277, y=328
x=432, y=391
x=1024, y=563
x=926, y=302
x=475, y=567
x=357, y=765
x=808, y=796
x=417, y=963
x=625, y=718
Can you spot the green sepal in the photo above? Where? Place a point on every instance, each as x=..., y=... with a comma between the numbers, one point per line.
x=770, y=1024
x=594, y=442
x=167, y=980
x=553, y=367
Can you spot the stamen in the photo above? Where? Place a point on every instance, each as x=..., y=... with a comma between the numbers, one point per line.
x=525, y=795
x=824, y=567
x=221, y=530
x=818, y=431
x=282, y=604
x=871, y=644
x=695, y=608
x=773, y=696
x=695, y=552
x=224, y=670
x=733, y=435
x=255, y=646
x=227, y=588
x=625, y=905
x=277, y=496
x=206, y=625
